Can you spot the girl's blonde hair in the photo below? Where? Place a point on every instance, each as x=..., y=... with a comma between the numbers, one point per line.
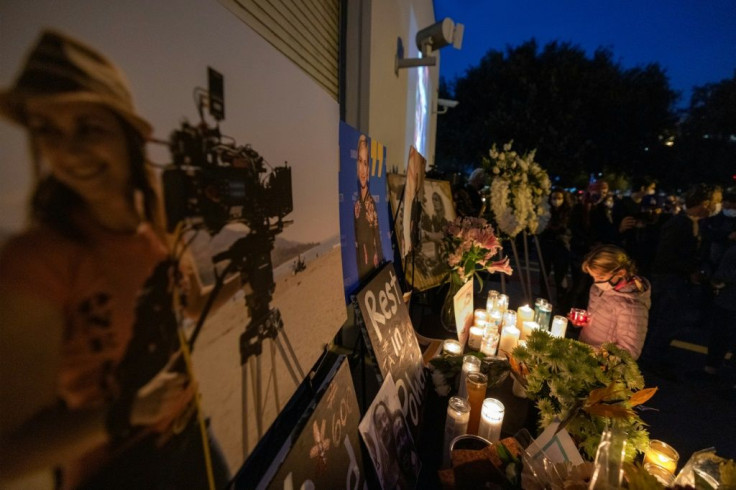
x=608, y=259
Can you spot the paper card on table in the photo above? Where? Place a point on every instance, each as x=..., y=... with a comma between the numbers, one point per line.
x=463, y=301
x=558, y=447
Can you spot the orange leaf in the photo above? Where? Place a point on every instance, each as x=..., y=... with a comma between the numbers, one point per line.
x=611, y=411
x=600, y=394
x=642, y=396
x=515, y=366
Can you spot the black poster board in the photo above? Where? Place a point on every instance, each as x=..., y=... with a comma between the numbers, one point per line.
x=323, y=447
x=393, y=341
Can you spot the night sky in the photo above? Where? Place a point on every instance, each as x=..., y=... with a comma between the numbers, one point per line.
x=694, y=41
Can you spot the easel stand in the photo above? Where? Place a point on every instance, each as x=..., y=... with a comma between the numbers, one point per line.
x=525, y=270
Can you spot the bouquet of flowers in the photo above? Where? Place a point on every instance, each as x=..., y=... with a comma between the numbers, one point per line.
x=584, y=387
x=472, y=247
x=519, y=191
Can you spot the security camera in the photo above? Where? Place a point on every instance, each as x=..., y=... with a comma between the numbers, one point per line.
x=450, y=104
x=439, y=35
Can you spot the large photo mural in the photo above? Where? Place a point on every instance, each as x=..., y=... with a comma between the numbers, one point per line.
x=249, y=187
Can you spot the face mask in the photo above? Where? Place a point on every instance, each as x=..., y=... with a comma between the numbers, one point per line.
x=556, y=202
x=604, y=286
x=729, y=213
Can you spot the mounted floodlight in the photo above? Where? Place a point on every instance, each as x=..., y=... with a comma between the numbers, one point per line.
x=439, y=35
x=429, y=39
x=443, y=105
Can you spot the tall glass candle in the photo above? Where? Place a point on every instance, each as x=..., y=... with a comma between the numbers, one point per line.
x=471, y=364
x=524, y=314
x=662, y=454
x=492, y=300
x=509, y=318
x=509, y=339
x=491, y=419
x=476, y=385
x=489, y=344
x=559, y=326
x=480, y=315
x=495, y=318
x=456, y=423
x=452, y=347
x=527, y=328
x=475, y=337
x=543, y=313
x=503, y=303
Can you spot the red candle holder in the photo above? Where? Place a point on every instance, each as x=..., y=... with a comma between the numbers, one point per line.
x=578, y=317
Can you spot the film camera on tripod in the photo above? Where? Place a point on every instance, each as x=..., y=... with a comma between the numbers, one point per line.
x=211, y=183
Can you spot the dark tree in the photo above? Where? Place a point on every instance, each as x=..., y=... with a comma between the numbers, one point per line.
x=706, y=146
x=583, y=114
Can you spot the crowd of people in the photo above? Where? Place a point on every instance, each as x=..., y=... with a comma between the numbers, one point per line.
x=647, y=265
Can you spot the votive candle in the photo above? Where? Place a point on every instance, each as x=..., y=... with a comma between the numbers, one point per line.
x=559, y=326
x=524, y=314
x=491, y=419
x=489, y=344
x=662, y=454
x=509, y=339
x=543, y=313
x=495, y=318
x=471, y=364
x=476, y=385
x=475, y=337
x=492, y=300
x=452, y=347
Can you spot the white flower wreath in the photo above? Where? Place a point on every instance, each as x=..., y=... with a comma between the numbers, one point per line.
x=519, y=191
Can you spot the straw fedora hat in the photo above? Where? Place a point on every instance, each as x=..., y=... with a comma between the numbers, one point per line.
x=62, y=68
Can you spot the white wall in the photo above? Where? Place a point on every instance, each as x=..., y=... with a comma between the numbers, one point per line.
x=393, y=98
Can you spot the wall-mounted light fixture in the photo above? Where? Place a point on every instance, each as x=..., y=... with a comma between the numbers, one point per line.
x=443, y=105
x=429, y=39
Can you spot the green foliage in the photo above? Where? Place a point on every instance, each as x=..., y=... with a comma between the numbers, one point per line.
x=563, y=373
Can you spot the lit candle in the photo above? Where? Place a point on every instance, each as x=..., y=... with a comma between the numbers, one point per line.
x=491, y=419
x=471, y=364
x=475, y=338
x=578, y=317
x=662, y=454
x=509, y=339
x=527, y=328
x=559, y=326
x=495, y=318
x=492, y=300
x=502, y=303
x=476, y=385
x=662, y=475
x=489, y=343
x=509, y=318
x=452, y=347
x=543, y=313
x=480, y=315
x=456, y=423
x=524, y=314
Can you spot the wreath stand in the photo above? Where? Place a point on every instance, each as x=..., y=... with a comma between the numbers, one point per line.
x=526, y=283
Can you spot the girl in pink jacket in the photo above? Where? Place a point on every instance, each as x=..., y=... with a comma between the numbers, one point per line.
x=619, y=300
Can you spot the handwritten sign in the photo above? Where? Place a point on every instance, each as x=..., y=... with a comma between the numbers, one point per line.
x=393, y=341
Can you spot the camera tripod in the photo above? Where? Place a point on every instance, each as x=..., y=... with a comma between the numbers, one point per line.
x=251, y=257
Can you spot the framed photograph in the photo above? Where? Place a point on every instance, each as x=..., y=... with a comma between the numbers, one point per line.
x=389, y=442
x=424, y=266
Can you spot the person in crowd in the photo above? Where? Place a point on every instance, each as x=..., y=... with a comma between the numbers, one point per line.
x=602, y=228
x=635, y=219
x=555, y=242
x=93, y=382
x=676, y=273
x=619, y=300
x=582, y=240
x=719, y=230
x=723, y=327
x=468, y=197
x=368, y=250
